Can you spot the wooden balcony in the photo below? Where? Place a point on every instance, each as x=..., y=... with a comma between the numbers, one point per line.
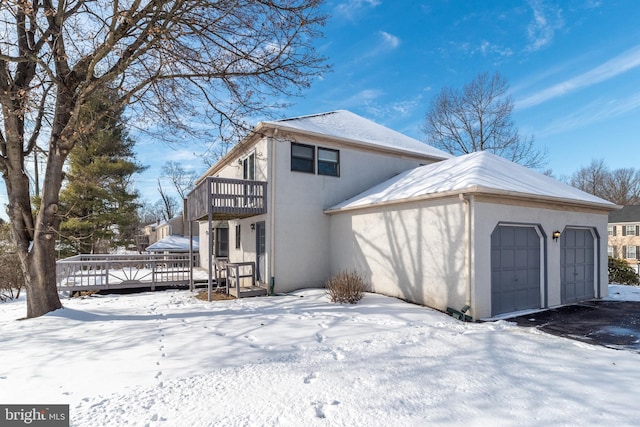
x=227, y=199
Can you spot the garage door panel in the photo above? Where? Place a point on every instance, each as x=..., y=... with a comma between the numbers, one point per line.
x=515, y=265
x=577, y=265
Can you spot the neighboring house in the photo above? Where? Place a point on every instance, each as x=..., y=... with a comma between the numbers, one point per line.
x=308, y=197
x=169, y=237
x=624, y=235
x=173, y=227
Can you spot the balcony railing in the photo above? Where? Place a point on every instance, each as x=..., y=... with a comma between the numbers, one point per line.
x=227, y=199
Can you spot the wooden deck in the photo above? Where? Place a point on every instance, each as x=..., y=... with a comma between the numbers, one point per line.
x=224, y=199
x=104, y=272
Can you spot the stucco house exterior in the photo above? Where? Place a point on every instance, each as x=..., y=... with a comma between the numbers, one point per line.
x=308, y=197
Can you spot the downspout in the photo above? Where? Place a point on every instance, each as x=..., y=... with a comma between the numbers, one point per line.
x=271, y=208
x=468, y=205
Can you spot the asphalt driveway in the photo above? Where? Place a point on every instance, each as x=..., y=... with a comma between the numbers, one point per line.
x=613, y=324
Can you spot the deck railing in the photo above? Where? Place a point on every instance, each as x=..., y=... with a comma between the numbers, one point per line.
x=100, y=272
x=227, y=198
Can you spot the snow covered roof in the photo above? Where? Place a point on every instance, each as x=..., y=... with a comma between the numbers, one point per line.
x=475, y=172
x=348, y=126
x=174, y=244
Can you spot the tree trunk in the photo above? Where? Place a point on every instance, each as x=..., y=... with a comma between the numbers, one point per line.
x=42, y=292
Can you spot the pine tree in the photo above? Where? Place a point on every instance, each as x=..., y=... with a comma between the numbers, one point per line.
x=97, y=203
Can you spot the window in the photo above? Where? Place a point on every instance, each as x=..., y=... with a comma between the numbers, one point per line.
x=610, y=251
x=630, y=230
x=630, y=252
x=328, y=162
x=249, y=167
x=238, y=236
x=610, y=230
x=222, y=242
x=302, y=158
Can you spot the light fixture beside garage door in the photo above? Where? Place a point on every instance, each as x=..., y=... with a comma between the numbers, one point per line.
x=556, y=235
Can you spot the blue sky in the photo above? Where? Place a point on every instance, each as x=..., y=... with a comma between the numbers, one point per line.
x=573, y=68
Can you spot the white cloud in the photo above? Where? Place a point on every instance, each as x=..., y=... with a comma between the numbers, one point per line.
x=594, y=112
x=390, y=40
x=546, y=21
x=620, y=64
x=352, y=7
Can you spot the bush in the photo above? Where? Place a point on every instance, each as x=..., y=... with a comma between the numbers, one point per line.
x=621, y=272
x=346, y=287
x=11, y=278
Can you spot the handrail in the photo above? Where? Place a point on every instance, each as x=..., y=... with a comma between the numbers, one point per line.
x=111, y=271
x=227, y=197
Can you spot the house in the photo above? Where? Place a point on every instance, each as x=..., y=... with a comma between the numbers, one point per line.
x=624, y=235
x=308, y=197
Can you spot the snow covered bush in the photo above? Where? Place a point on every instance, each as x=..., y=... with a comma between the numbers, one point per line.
x=346, y=287
x=622, y=273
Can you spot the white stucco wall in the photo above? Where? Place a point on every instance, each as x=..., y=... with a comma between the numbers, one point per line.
x=414, y=251
x=302, y=231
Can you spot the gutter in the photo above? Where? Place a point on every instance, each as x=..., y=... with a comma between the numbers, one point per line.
x=271, y=146
x=468, y=205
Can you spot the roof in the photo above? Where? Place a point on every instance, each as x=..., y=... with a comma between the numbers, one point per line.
x=345, y=125
x=174, y=244
x=629, y=213
x=476, y=172
x=342, y=125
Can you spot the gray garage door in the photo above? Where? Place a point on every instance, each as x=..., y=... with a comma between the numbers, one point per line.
x=577, y=267
x=515, y=269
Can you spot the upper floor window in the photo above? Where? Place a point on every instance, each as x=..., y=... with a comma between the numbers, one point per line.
x=630, y=230
x=249, y=167
x=611, y=230
x=302, y=158
x=328, y=162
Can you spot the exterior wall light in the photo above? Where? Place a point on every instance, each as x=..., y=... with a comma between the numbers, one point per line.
x=556, y=235
x=253, y=226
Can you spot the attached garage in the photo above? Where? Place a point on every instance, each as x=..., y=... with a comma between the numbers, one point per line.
x=516, y=268
x=476, y=233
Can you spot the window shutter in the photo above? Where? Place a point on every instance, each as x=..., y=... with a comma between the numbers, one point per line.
x=637, y=252
x=624, y=230
x=624, y=251
x=614, y=230
x=637, y=230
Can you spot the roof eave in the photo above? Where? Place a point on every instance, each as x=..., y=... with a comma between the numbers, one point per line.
x=481, y=190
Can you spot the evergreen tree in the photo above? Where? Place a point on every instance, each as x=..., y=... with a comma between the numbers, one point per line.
x=97, y=204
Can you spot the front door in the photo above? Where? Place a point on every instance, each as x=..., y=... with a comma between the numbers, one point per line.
x=260, y=251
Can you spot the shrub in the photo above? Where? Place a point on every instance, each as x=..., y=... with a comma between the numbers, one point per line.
x=346, y=287
x=11, y=278
x=621, y=272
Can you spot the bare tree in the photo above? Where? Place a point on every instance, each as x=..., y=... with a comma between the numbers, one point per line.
x=620, y=186
x=167, y=60
x=181, y=179
x=168, y=206
x=478, y=118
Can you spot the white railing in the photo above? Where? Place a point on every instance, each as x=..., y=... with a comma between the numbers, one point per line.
x=100, y=272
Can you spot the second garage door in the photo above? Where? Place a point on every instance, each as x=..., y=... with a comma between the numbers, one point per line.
x=577, y=265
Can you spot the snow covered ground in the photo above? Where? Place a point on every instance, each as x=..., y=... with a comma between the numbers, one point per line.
x=168, y=359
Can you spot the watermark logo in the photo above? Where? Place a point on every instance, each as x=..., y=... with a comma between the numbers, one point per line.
x=34, y=415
